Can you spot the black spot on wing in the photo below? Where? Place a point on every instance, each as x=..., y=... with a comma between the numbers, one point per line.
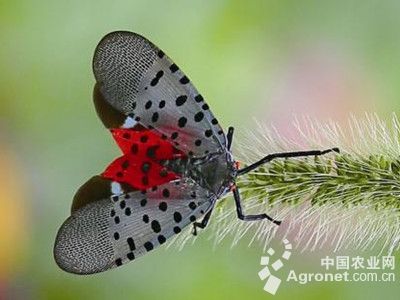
x=184, y=80
x=192, y=205
x=161, y=239
x=151, y=151
x=182, y=122
x=145, y=218
x=174, y=135
x=180, y=100
x=118, y=262
x=154, y=117
x=146, y=167
x=125, y=165
x=165, y=193
x=161, y=104
x=122, y=204
x=144, y=138
x=156, y=79
x=155, y=225
x=173, y=68
x=208, y=133
x=177, y=217
x=160, y=54
x=198, y=117
x=148, y=246
x=199, y=98
x=145, y=180
x=131, y=244
x=163, y=206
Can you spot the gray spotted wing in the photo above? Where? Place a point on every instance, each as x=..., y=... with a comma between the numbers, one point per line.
x=139, y=80
x=108, y=233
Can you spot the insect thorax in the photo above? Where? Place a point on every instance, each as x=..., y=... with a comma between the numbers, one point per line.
x=215, y=171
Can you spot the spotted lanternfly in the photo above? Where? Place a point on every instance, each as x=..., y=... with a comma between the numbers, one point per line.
x=176, y=161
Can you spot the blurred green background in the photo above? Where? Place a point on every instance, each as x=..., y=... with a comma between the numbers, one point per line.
x=262, y=59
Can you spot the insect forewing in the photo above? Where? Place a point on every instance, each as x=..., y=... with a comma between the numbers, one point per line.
x=110, y=232
x=139, y=80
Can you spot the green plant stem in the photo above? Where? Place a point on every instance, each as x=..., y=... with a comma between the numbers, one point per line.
x=350, y=180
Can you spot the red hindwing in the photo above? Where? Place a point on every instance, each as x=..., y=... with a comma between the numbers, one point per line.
x=140, y=167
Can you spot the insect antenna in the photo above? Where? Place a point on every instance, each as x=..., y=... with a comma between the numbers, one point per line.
x=270, y=157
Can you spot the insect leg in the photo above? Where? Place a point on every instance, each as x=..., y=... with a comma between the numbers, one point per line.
x=229, y=137
x=203, y=222
x=284, y=155
x=241, y=216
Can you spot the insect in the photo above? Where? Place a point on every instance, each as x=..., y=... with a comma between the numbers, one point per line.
x=176, y=161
